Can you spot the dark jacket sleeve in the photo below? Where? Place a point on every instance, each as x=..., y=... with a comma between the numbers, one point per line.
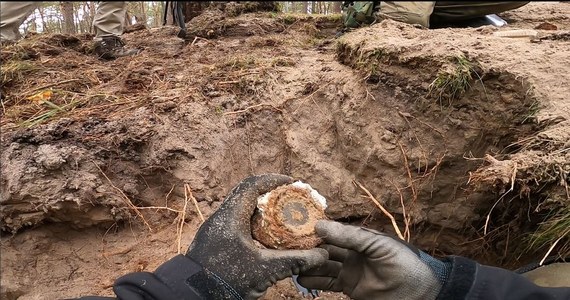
x=472, y=281
x=172, y=280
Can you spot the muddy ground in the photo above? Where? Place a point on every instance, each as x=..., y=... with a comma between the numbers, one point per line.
x=99, y=158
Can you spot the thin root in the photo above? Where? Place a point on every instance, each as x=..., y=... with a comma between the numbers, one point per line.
x=125, y=198
x=386, y=213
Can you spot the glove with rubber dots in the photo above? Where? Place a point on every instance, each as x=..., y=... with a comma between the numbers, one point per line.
x=366, y=264
x=232, y=266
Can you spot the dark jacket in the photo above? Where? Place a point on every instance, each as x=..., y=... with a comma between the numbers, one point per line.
x=182, y=278
x=472, y=281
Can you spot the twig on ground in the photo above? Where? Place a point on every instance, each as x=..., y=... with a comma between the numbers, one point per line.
x=194, y=41
x=158, y=208
x=370, y=94
x=251, y=107
x=229, y=82
x=386, y=213
x=49, y=85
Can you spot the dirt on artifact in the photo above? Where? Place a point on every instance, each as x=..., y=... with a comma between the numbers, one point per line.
x=462, y=135
x=287, y=217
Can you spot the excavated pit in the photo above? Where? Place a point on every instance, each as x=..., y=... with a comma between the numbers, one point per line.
x=97, y=190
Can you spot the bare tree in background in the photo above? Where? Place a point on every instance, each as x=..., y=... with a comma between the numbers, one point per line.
x=336, y=7
x=68, y=19
x=77, y=17
x=139, y=12
x=194, y=8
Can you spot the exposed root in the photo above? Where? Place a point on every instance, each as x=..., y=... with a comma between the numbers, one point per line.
x=386, y=213
x=410, y=178
x=513, y=177
x=252, y=107
x=417, y=139
x=407, y=218
x=191, y=196
x=181, y=219
x=49, y=86
x=125, y=198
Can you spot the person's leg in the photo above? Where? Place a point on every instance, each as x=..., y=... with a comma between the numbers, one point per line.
x=456, y=11
x=109, y=24
x=12, y=15
x=109, y=19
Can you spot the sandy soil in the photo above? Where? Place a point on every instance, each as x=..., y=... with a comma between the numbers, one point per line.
x=270, y=93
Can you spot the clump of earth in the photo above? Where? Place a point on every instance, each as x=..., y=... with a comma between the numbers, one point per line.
x=99, y=159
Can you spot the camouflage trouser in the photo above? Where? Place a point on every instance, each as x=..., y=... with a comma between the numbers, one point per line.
x=454, y=11
x=109, y=18
x=427, y=12
x=553, y=275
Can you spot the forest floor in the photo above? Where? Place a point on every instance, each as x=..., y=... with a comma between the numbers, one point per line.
x=462, y=134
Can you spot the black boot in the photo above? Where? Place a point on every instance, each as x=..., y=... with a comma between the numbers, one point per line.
x=112, y=47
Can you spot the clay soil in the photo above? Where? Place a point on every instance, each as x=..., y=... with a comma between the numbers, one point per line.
x=100, y=158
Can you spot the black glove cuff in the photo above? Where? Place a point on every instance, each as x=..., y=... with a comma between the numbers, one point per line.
x=185, y=276
x=460, y=280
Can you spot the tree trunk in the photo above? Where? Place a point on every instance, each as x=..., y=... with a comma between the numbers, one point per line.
x=336, y=7
x=92, y=13
x=33, y=25
x=137, y=10
x=193, y=9
x=45, y=28
x=67, y=14
x=305, y=6
x=79, y=25
x=156, y=15
x=142, y=12
x=169, y=17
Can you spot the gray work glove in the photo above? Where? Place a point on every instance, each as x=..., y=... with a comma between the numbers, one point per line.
x=236, y=268
x=365, y=264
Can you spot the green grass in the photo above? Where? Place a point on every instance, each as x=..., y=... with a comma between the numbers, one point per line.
x=54, y=110
x=452, y=84
x=531, y=113
x=555, y=229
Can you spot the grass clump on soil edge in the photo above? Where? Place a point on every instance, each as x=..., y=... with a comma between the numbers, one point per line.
x=554, y=231
x=539, y=205
x=452, y=83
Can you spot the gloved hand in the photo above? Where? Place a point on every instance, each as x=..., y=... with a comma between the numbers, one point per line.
x=225, y=249
x=366, y=264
